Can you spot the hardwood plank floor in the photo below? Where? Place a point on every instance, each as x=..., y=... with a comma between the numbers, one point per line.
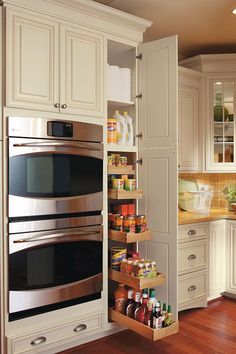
x=202, y=331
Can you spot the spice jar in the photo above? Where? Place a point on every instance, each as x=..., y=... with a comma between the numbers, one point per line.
x=140, y=273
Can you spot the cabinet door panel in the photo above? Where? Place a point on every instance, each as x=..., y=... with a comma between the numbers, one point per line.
x=32, y=62
x=188, y=118
x=82, y=63
x=231, y=251
x=158, y=180
x=158, y=85
x=216, y=259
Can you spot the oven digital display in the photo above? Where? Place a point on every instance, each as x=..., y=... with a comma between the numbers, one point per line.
x=60, y=129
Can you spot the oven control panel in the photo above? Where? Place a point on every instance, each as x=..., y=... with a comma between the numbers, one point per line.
x=60, y=129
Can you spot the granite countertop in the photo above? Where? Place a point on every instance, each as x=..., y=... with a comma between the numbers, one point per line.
x=186, y=217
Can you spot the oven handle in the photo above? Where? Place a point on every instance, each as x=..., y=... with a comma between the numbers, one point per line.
x=60, y=144
x=71, y=236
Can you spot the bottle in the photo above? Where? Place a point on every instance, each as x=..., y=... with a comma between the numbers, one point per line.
x=120, y=296
x=168, y=320
x=121, y=128
x=139, y=314
x=111, y=131
x=164, y=313
x=129, y=302
x=136, y=303
x=150, y=305
x=129, y=128
x=157, y=316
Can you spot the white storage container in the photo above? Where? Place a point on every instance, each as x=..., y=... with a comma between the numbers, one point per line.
x=195, y=201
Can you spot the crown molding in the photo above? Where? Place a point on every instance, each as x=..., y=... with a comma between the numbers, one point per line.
x=86, y=12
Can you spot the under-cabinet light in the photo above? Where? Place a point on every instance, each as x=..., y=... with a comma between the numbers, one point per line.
x=234, y=11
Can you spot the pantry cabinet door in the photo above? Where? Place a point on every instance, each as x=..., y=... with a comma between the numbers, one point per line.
x=82, y=68
x=231, y=258
x=31, y=61
x=158, y=71
x=158, y=180
x=217, y=259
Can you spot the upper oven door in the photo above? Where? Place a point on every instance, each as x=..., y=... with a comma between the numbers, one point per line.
x=54, y=176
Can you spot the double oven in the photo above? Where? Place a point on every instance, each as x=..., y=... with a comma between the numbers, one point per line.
x=55, y=202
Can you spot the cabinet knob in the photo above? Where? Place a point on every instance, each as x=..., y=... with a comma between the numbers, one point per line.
x=192, y=256
x=140, y=161
x=192, y=288
x=80, y=327
x=38, y=340
x=64, y=106
x=192, y=232
x=139, y=135
x=57, y=105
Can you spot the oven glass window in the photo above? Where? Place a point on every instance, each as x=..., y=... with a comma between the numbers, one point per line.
x=54, y=175
x=54, y=265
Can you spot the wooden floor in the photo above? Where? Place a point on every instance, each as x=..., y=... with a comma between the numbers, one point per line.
x=202, y=331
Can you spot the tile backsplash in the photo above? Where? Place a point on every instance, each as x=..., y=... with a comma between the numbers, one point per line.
x=216, y=182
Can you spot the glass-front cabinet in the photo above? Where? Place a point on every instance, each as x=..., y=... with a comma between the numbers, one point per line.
x=220, y=153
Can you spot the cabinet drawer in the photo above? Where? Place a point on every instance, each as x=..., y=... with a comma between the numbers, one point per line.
x=192, y=232
x=192, y=256
x=40, y=340
x=192, y=286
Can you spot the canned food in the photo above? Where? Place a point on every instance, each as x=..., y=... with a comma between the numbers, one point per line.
x=140, y=223
x=118, y=222
x=117, y=183
x=129, y=223
x=130, y=184
x=111, y=160
x=117, y=254
x=111, y=131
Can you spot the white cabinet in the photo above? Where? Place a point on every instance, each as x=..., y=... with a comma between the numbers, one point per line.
x=53, y=67
x=218, y=103
x=158, y=86
x=188, y=120
x=217, y=258
x=193, y=266
x=158, y=155
x=231, y=258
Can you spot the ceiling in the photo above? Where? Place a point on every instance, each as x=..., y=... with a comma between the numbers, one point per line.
x=202, y=26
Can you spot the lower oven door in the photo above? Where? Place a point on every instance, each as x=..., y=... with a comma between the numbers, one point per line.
x=54, y=266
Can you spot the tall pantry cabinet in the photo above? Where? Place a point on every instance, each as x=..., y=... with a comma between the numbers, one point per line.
x=56, y=65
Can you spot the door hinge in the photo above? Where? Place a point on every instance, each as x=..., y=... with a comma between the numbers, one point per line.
x=139, y=135
x=140, y=161
x=139, y=57
x=139, y=95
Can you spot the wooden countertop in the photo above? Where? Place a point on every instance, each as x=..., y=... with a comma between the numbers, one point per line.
x=186, y=217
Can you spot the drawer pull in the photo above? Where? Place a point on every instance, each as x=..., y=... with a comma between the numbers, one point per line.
x=80, y=327
x=192, y=288
x=38, y=340
x=192, y=232
x=192, y=256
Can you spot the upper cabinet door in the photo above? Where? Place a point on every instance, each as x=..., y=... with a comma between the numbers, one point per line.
x=82, y=68
x=158, y=72
x=32, y=62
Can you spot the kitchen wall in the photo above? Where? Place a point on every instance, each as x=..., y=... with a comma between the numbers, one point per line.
x=216, y=181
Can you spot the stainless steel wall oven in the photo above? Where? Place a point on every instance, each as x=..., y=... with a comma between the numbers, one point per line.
x=54, y=213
